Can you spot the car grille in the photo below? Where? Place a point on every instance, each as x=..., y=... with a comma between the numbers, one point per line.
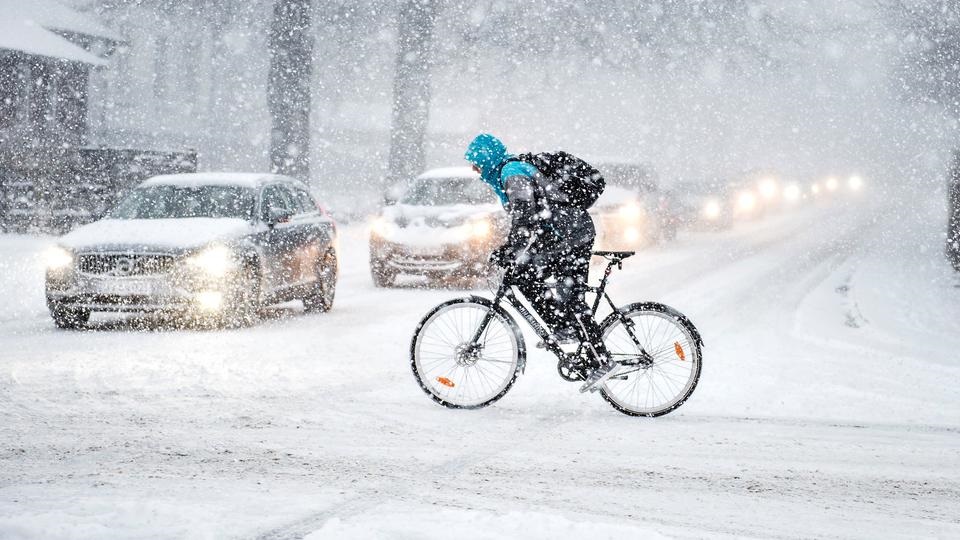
x=425, y=264
x=124, y=265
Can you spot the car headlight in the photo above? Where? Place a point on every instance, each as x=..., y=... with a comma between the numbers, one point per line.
x=711, y=210
x=768, y=188
x=631, y=210
x=855, y=183
x=747, y=201
x=791, y=193
x=214, y=261
x=381, y=227
x=480, y=230
x=57, y=258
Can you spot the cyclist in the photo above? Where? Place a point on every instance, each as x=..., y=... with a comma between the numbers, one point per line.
x=547, y=243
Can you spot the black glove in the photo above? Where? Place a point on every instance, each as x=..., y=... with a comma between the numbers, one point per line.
x=503, y=256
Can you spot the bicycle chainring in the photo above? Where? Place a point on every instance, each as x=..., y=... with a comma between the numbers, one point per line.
x=572, y=371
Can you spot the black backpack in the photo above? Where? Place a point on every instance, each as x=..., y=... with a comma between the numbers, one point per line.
x=570, y=181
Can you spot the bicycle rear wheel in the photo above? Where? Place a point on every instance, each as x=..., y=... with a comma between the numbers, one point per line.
x=454, y=372
x=659, y=383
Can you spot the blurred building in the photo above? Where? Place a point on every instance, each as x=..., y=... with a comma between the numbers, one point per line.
x=47, y=52
x=49, y=178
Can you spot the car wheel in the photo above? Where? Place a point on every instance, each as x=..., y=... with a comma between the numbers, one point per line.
x=382, y=277
x=70, y=319
x=321, y=298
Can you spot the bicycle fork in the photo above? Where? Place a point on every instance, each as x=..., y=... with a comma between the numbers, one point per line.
x=475, y=340
x=643, y=358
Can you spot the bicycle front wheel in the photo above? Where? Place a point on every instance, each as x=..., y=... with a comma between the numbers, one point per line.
x=661, y=380
x=454, y=371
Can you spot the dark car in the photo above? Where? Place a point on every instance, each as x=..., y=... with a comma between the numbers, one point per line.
x=444, y=224
x=211, y=245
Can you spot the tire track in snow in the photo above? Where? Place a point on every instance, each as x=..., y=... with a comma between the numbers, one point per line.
x=446, y=470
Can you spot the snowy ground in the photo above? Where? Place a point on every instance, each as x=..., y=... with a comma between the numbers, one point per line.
x=828, y=407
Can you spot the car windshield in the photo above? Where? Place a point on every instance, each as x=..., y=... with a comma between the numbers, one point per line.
x=701, y=189
x=635, y=177
x=448, y=191
x=163, y=202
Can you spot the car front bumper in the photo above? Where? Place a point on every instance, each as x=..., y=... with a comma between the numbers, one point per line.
x=462, y=258
x=171, y=292
x=617, y=233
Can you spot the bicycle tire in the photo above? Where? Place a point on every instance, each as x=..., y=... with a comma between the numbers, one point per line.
x=692, y=346
x=509, y=327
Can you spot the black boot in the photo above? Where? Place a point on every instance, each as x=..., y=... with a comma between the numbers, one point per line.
x=606, y=364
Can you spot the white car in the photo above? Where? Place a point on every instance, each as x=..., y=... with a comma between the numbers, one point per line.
x=445, y=223
x=625, y=219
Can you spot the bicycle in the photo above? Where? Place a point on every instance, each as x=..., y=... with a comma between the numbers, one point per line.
x=466, y=353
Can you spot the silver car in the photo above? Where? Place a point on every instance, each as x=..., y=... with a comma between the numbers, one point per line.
x=211, y=245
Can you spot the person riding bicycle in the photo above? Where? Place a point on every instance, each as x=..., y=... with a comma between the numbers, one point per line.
x=547, y=244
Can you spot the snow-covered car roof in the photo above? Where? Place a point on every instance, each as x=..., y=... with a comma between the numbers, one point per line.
x=615, y=196
x=448, y=172
x=247, y=180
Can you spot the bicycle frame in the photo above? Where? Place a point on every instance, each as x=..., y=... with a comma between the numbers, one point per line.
x=506, y=292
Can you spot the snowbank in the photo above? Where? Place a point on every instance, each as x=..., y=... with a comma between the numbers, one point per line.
x=445, y=523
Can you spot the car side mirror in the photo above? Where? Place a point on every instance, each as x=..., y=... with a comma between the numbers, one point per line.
x=278, y=215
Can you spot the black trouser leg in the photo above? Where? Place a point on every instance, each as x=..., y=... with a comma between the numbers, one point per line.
x=572, y=297
x=562, y=306
x=531, y=282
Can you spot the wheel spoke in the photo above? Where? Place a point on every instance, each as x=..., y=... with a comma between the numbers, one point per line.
x=657, y=387
x=447, y=363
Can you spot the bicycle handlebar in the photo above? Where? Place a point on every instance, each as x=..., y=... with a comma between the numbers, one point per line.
x=614, y=258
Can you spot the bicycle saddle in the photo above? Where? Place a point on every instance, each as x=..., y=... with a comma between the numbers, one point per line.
x=615, y=255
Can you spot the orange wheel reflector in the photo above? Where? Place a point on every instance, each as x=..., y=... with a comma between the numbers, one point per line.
x=447, y=382
x=679, y=350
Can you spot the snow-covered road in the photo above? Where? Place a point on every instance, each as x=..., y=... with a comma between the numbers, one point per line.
x=828, y=406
